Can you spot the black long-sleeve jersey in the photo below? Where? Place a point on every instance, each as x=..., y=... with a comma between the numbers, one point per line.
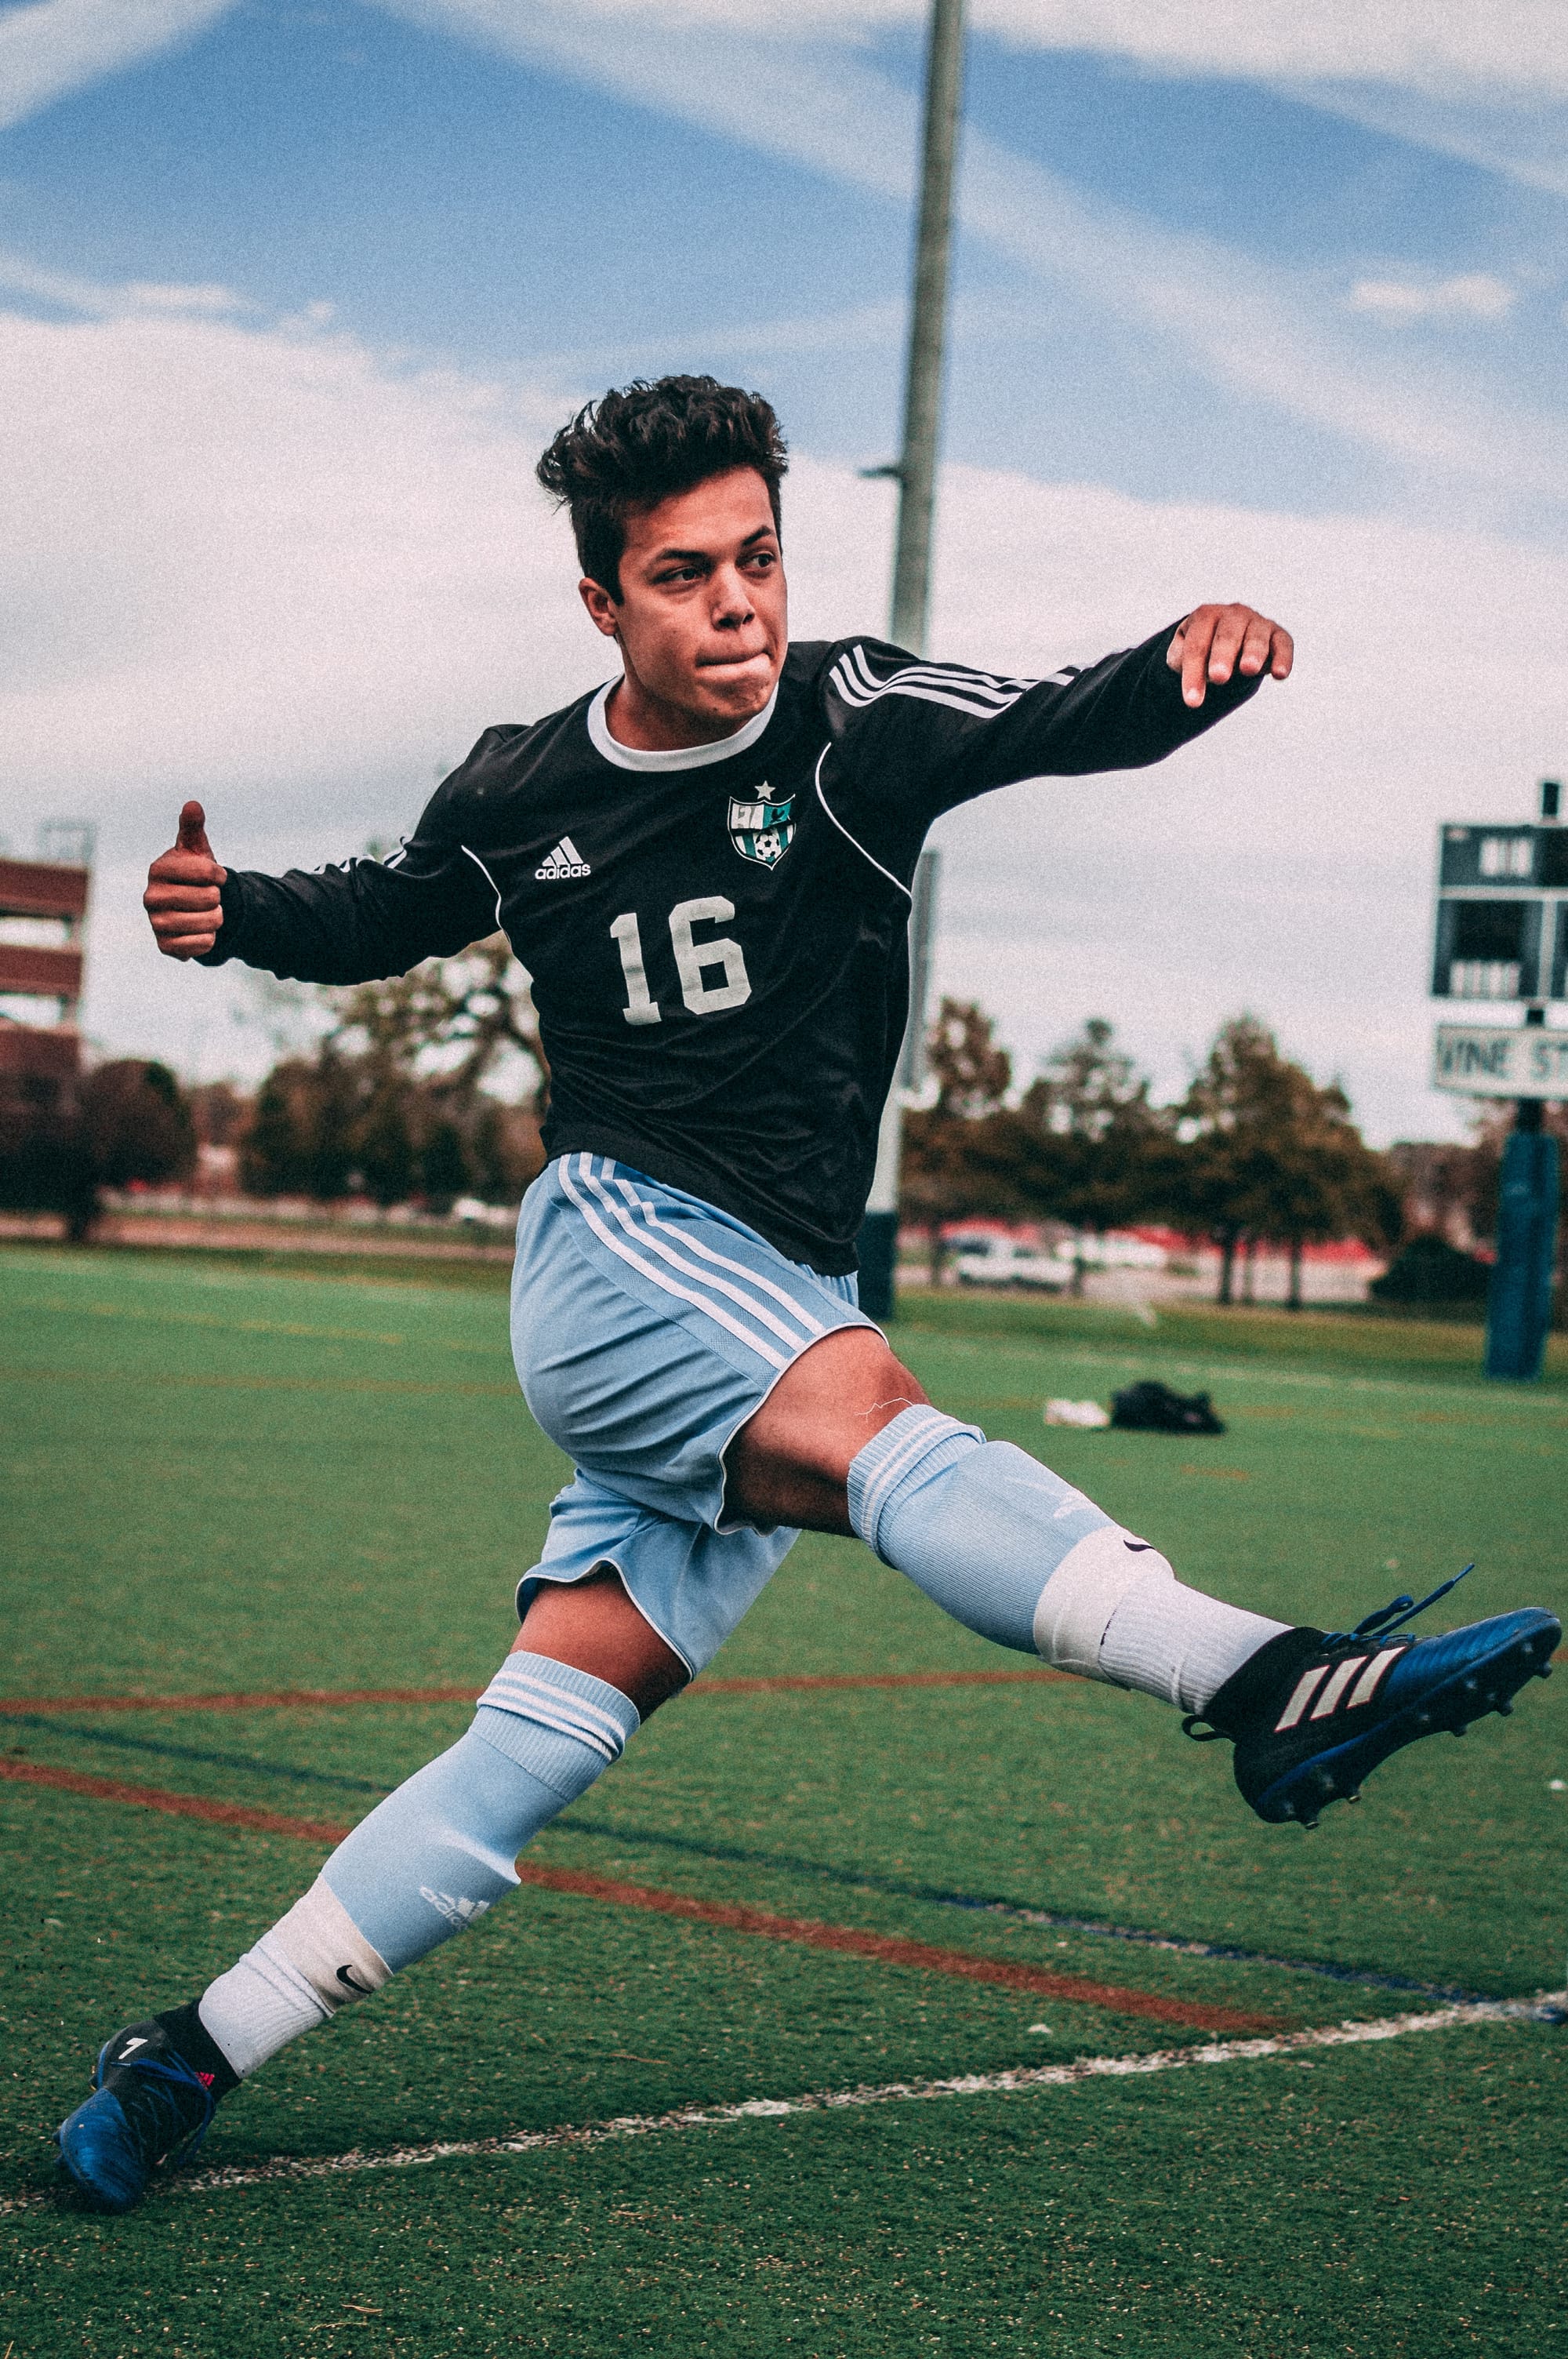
x=717, y=937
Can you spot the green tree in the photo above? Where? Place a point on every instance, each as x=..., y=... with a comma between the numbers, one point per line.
x=301, y=1136
x=137, y=1123
x=961, y=1156
x=1220, y=1125
x=972, y=1071
x=395, y=1100
x=1098, y=1153
x=444, y=1166
x=1269, y=1154
x=62, y=1140
x=385, y=1139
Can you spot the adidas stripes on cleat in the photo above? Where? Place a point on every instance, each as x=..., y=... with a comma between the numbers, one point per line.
x=151, y=2104
x=1313, y=1712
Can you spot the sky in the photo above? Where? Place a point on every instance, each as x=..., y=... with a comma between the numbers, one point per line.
x=1250, y=301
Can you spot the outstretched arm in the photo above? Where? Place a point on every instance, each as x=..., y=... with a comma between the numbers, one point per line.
x=912, y=739
x=343, y=924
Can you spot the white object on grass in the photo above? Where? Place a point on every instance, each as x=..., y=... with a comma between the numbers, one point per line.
x=1072, y=1412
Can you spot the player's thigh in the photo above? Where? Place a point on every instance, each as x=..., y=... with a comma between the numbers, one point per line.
x=790, y=1461
x=649, y=1328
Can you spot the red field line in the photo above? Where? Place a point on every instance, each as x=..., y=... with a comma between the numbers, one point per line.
x=283, y=1698
x=336, y=1699
x=886, y=1949
x=892, y=1950
x=174, y=1806
x=261, y=1700
x=787, y=1680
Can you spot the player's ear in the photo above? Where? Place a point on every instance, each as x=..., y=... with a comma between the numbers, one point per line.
x=604, y=611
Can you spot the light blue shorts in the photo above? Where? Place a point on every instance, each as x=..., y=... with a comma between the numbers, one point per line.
x=647, y=1327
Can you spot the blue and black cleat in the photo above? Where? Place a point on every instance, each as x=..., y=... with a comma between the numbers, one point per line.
x=1313, y=1712
x=151, y=2105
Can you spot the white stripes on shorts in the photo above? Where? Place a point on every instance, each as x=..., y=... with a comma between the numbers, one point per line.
x=759, y=1313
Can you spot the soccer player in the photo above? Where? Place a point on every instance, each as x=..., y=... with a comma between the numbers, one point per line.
x=706, y=868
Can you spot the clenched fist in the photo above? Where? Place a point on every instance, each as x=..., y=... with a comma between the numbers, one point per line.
x=182, y=899
x=1215, y=641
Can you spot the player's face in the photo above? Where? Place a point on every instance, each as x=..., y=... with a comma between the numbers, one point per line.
x=702, y=621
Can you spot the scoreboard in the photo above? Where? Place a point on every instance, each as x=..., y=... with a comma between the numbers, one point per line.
x=1502, y=933
x=1502, y=911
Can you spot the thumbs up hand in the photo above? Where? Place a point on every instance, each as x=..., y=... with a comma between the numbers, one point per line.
x=182, y=899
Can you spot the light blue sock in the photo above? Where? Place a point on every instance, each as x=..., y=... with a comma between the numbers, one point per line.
x=429, y=1860
x=439, y=1853
x=977, y=1525
x=1011, y=1550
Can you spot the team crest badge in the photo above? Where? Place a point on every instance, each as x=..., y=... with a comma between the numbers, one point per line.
x=760, y=831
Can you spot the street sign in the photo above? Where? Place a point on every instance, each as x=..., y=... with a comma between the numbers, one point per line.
x=1495, y=1061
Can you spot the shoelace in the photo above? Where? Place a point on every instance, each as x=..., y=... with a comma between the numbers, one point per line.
x=1392, y=1617
x=158, y=2108
x=1380, y=1625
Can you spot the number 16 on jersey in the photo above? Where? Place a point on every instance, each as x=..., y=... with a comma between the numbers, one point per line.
x=694, y=961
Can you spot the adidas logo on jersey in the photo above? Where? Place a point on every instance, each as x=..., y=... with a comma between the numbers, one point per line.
x=565, y=861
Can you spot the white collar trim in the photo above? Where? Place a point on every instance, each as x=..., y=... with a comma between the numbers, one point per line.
x=677, y=758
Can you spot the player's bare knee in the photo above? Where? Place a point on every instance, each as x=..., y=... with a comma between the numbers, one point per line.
x=789, y=1463
x=838, y=1393
x=592, y=1626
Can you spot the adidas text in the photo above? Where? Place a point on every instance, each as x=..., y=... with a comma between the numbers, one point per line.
x=565, y=861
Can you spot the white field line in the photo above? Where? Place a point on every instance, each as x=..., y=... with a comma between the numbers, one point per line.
x=1016, y=2083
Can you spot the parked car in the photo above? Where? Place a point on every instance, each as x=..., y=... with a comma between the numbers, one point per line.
x=1118, y=1251
x=1000, y=1261
x=476, y=1214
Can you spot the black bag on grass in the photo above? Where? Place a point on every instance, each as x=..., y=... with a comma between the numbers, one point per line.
x=1151, y=1407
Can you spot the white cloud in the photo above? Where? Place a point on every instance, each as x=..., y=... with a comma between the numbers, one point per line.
x=272, y=568
x=150, y=295
x=1519, y=133
x=1212, y=309
x=1474, y=83
x=1441, y=47
x=1254, y=331
x=1474, y=296
x=20, y=275
x=1433, y=45
x=58, y=46
x=1487, y=85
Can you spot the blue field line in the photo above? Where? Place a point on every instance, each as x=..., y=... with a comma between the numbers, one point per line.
x=742, y=1855
x=903, y=1888
x=164, y=1750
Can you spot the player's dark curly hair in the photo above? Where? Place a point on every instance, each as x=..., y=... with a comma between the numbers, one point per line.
x=632, y=448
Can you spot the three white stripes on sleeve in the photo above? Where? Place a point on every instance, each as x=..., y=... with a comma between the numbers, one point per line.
x=982, y=694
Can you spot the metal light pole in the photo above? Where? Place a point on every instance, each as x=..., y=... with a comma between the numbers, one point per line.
x=916, y=474
x=928, y=326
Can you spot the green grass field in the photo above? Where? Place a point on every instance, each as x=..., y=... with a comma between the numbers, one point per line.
x=229, y=1477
